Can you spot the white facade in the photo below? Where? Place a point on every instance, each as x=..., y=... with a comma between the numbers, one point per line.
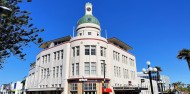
x=12, y=88
x=62, y=64
x=165, y=80
x=146, y=84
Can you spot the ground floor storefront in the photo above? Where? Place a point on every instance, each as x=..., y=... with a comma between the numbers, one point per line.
x=89, y=86
x=44, y=91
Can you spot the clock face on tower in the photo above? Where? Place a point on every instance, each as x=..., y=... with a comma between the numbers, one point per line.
x=88, y=9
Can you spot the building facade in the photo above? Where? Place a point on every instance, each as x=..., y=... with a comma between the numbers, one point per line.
x=12, y=88
x=144, y=82
x=163, y=84
x=84, y=64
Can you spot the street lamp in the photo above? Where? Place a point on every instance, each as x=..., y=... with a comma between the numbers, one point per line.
x=104, y=73
x=4, y=11
x=149, y=71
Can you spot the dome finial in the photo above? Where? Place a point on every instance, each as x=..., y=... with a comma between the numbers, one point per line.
x=88, y=8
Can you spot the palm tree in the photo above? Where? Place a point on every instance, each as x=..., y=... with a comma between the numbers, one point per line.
x=158, y=72
x=184, y=54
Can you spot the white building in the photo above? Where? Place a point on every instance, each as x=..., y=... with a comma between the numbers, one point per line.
x=12, y=88
x=4, y=89
x=164, y=83
x=143, y=82
x=72, y=65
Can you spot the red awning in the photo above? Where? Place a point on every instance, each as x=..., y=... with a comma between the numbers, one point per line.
x=106, y=90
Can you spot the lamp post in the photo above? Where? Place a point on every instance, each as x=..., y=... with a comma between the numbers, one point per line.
x=104, y=73
x=149, y=71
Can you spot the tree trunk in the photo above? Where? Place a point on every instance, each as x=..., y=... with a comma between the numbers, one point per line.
x=188, y=62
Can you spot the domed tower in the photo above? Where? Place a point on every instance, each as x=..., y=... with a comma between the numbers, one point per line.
x=88, y=25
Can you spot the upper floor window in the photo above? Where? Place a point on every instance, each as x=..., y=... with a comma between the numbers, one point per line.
x=93, y=50
x=87, y=67
x=93, y=68
x=42, y=73
x=61, y=71
x=61, y=54
x=54, y=55
x=53, y=72
x=58, y=55
x=73, y=51
x=77, y=68
x=90, y=50
x=73, y=69
x=48, y=57
x=48, y=72
x=116, y=55
x=87, y=50
x=57, y=72
x=80, y=34
x=78, y=50
x=89, y=33
x=102, y=69
x=103, y=51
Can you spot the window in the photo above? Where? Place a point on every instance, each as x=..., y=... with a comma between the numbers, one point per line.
x=103, y=51
x=54, y=55
x=80, y=34
x=93, y=50
x=61, y=71
x=58, y=55
x=116, y=55
x=89, y=33
x=48, y=57
x=41, y=73
x=77, y=68
x=42, y=59
x=73, y=51
x=115, y=71
x=119, y=72
x=87, y=68
x=45, y=58
x=87, y=50
x=74, y=87
x=73, y=69
x=44, y=73
x=102, y=68
x=78, y=50
x=61, y=54
x=93, y=68
x=89, y=86
x=97, y=34
x=59, y=85
x=124, y=73
x=48, y=72
x=57, y=72
x=53, y=72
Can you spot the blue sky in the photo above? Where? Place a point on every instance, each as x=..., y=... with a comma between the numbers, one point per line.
x=156, y=29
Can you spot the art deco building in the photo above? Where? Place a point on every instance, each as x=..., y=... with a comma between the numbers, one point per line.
x=84, y=64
